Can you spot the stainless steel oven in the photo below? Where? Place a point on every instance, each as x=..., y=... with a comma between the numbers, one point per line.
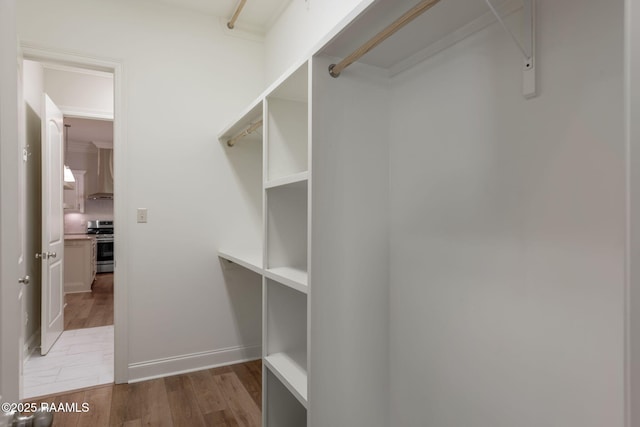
x=103, y=232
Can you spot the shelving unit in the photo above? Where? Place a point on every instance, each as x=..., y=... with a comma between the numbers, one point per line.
x=394, y=228
x=288, y=128
x=281, y=409
x=283, y=195
x=286, y=227
x=285, y=354
x=243, y=239
x=290, y=374
x=286, y=285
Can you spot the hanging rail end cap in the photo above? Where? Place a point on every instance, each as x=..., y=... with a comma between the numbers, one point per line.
x=230, y=26
x=331, y=73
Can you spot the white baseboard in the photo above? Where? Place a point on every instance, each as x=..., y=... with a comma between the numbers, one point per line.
x=192, y=362
x=31, y=344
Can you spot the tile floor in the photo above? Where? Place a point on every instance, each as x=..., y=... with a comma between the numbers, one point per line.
x=80, y=358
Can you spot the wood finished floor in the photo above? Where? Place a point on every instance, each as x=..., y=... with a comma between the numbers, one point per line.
x=90, y=309
x=229, y=396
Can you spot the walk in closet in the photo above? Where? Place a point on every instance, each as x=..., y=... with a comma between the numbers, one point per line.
x=433, y=241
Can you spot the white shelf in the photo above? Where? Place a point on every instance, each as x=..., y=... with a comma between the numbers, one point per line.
x=292, y=375
x=252, y=114
x=249, y=259
x=298, y=178
x=441, y=27
x=294, y=278
x=288, y=86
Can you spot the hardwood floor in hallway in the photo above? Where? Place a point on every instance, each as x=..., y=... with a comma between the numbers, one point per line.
x=90, y=309
x=228, y=396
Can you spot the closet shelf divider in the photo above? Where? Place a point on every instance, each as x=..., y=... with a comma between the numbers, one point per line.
x=294, y=278
x=292, y=375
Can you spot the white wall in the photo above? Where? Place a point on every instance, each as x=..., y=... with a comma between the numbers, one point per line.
x=508, y=229
x=183, y=80
x=33, y=82
x=302, y=25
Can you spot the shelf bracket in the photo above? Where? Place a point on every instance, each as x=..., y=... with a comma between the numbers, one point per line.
x=227, y=265
x=526, y=47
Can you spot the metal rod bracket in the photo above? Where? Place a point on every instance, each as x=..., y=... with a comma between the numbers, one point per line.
x=526, y=47
x=529, y=89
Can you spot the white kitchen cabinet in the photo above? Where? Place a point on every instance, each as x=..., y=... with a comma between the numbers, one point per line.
x=79, y=263
x=75, y=196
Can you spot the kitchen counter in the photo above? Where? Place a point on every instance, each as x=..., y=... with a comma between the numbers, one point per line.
x=79, y=262
x=78, y=237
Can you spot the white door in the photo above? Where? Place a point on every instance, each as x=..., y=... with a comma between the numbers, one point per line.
x=52, y=226
x=9, y=157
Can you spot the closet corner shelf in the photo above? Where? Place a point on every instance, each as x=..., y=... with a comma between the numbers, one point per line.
x=250, y=115
x=249, y=259
x=292, y=375
x=294, y=278
x=297, y=178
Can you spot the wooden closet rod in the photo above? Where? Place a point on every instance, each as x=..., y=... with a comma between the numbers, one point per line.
x=410, y=15
x=232, y=22
x=248, y=131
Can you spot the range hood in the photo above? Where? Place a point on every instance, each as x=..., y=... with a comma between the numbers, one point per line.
x=105, y=175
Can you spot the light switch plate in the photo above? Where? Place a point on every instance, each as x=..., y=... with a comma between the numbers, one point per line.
x=142, y=214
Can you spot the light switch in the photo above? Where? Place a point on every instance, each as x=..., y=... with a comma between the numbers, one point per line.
x=142, y=214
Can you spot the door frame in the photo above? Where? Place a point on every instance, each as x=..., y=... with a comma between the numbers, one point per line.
x=120, y=297
x=10, y=331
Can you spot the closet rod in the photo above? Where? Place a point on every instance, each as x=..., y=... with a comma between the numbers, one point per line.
x=410, y=15
x=249, y=130
x=232, y=22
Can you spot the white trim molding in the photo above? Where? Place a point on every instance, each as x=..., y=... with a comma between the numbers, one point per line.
x=121, y=299
x=160, y=368
x=632, y=250
x=86, y=113
x=85, y=71
x=31, y=344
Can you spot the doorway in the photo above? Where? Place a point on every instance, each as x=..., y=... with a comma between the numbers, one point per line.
x=89, y=315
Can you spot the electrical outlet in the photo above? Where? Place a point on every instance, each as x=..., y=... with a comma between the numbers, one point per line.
x=142, y=215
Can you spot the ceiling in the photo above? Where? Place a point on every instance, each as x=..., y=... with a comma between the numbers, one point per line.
x=88, y=131
x=258, y=14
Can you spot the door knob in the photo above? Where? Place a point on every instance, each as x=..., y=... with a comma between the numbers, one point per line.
x=45, y=255
x=24, y=280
